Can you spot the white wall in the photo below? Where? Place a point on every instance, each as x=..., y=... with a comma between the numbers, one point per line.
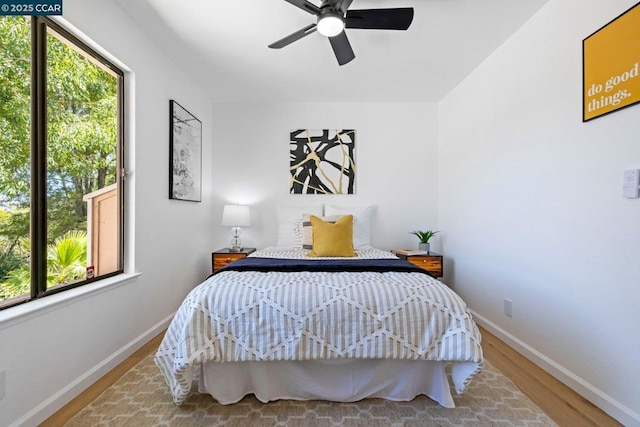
x=396, y=165
x=51, y=355
x=530, y=201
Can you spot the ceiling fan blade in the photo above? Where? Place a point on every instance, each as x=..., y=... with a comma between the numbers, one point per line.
x=293, y=37
x=342, y=48
x=306, y=6
x=380, y=19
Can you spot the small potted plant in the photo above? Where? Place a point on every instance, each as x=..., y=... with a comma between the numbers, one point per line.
x=424, y=237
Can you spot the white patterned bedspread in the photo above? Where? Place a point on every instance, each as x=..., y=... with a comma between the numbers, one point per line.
x=258, y=316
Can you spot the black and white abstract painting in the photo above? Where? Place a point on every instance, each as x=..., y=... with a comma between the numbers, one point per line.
x=322, y=161
x=185, y=161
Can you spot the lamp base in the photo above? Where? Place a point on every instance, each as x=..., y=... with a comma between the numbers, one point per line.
x=236, y=243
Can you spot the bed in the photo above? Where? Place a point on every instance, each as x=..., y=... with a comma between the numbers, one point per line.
x=282, y=326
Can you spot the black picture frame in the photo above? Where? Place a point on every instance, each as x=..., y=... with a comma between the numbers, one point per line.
x=185, y=154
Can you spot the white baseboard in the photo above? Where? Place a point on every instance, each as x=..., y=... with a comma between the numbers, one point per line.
x=615, y=409
x=49, y=407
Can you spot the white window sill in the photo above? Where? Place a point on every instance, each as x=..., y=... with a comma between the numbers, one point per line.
x=29, y=310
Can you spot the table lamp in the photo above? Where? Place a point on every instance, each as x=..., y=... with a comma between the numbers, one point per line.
x=236, y=216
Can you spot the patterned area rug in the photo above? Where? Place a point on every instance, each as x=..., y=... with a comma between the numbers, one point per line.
x=141, y=398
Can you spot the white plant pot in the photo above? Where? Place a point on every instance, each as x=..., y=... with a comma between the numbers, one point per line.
x=424, y=246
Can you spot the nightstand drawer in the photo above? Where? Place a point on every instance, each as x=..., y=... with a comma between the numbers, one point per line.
x=223, y=257
x=221, y=260
x=432, y=264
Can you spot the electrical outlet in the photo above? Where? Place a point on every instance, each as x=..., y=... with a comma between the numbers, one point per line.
x=508, y=307
x=3, y=377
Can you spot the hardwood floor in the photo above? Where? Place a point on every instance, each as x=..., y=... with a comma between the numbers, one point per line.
x=70, y=409
x=558, y=401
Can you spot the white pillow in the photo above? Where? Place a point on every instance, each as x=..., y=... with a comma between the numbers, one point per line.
x=288, y=217
x=361, y=222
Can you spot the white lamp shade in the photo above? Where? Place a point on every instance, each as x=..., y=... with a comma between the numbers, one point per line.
x=236, y=216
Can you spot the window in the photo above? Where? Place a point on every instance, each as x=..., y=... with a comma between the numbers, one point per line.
x=61, y=161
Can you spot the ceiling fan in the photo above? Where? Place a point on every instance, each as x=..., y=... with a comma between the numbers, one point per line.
x=334, y=16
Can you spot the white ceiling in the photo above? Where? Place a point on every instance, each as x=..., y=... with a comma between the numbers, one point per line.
x=223, y=46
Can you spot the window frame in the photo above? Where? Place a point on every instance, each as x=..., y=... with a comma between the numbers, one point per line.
x=40, y=26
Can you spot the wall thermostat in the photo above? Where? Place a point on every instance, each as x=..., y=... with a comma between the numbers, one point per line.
x=631, y=184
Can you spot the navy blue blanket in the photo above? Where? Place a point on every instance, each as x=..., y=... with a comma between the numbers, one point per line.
x=327, y=265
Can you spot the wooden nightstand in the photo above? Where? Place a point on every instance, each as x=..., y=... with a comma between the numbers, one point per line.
x=431, y=262
x=224, y=256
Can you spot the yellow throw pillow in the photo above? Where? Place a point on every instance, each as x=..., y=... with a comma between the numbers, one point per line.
x=306, y=230
x=332, y=239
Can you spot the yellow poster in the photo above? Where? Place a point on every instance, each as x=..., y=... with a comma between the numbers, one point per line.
x=611, y=66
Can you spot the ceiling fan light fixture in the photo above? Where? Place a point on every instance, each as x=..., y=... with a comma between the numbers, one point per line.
x=330, y=24
x=334, y=16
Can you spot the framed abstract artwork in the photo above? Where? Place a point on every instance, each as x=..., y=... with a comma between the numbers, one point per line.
x=185, y=154
x=322, y=161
